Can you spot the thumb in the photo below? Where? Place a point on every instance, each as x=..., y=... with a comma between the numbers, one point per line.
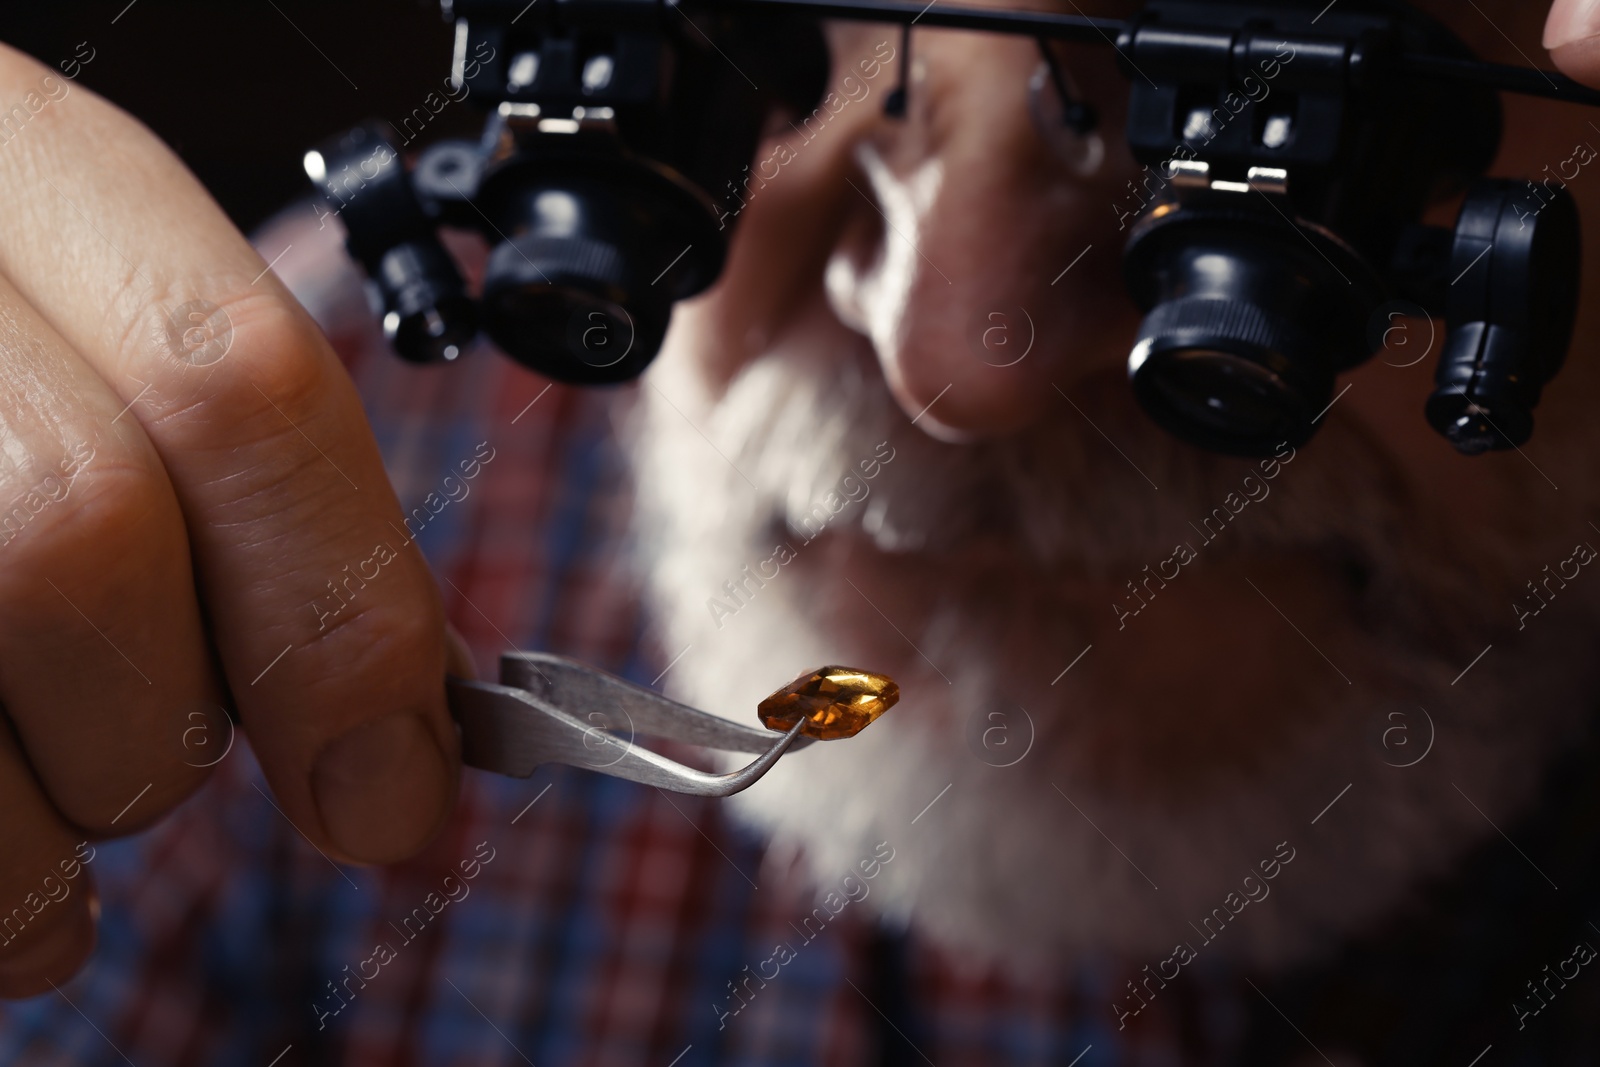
x=1572, y=34
x=458, y=655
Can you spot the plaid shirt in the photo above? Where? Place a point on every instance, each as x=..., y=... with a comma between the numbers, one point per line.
x=605, y=922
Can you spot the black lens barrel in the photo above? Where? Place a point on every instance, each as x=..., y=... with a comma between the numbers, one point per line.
x=427, y=314
x=1511, y=308
x=1249, y=319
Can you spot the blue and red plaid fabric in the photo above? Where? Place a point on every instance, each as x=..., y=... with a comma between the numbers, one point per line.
x=606, y=923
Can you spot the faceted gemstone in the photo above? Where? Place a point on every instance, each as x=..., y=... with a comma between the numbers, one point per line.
x=835, y=702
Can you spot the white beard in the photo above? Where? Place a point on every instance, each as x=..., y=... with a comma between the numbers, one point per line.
x=1002, y=868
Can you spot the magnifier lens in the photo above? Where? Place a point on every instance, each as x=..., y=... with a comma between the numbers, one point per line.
x=1226, y=396
x=1248, y=323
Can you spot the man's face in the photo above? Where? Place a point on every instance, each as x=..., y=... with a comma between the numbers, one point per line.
x=898, y=435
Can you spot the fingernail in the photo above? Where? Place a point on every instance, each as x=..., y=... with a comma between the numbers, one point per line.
x=383, y=789
x=39, y=957
x=458, y=655
x=1571, y=20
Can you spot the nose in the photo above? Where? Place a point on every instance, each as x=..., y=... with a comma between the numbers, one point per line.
x=983, y=267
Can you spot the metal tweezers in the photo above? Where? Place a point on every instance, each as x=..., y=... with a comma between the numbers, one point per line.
x=550, y=709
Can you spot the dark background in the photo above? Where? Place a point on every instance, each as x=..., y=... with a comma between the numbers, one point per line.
x=236, y=87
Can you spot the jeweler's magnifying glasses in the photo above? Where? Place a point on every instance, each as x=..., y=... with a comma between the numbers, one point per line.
x=1291, y=148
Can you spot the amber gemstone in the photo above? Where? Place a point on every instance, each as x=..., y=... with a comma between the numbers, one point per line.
x=835, y=702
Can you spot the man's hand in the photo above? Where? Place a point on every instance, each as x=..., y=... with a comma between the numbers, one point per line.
x=188, y=489
x=1572, y=34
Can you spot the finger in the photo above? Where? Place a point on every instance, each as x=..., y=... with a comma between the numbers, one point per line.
x=46, y=920
x=101, y=647
x=459, y=661
x=326, y=620
x=1572, y=34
